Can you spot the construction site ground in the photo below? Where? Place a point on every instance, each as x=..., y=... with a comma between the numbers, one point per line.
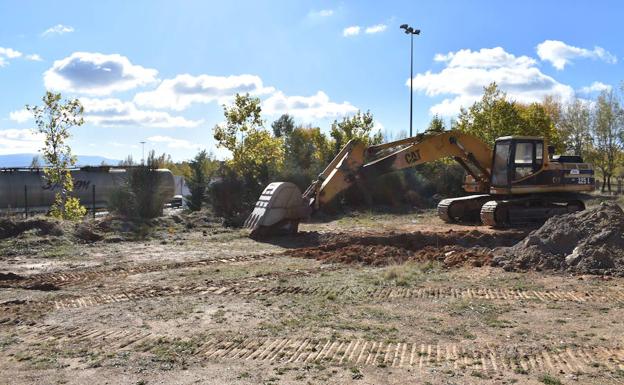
x=364, y=299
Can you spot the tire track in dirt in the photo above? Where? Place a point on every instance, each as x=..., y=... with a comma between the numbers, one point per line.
x=75, y=277
x=377, y=294
x=343, y=352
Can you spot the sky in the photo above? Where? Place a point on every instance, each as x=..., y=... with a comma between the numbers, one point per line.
x=160, y=71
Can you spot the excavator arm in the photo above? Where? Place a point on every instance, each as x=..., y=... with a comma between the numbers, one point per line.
x=281, y=205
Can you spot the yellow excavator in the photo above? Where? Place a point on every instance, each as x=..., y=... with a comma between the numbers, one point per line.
x=520, y=182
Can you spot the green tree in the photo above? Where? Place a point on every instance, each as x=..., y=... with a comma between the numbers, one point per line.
x=306, y=151
x=199, y=178
x=242, y=117
x=283, y=126
x=536, y=121
x=54, y=119
x=436, y=124
x=256, y=154
x=607, y=131
x=359, y=126
x=575, y=126
x=494, y=116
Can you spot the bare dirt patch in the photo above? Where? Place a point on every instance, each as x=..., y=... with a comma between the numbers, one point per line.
x=182, y=306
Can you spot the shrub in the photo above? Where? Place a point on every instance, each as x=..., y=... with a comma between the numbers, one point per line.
x=121, y=201
x=232, y=198
x=139, y=197
x=143, y=182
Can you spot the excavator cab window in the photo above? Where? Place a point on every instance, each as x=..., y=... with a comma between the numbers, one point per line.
x=500, y=169
x=523, y=160
x=528, y=158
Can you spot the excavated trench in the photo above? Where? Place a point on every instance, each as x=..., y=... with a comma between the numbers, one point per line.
x=587, y=242
x=452, y=248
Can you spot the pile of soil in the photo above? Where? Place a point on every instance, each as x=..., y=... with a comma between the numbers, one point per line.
x=419, y=239
x=10, y=227
x=452, y=248
x=87, y=233
x=587, y=242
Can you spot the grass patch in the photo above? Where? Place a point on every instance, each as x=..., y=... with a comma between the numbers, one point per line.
x=485, y=312
x=407, y=274
x=549, y=380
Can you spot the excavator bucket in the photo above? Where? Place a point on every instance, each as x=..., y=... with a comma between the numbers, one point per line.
x=278, y=211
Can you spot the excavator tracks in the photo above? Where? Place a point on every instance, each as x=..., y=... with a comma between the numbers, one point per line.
x=526, y=211
x=463, y=209
x=488, y=214
x=418, y=356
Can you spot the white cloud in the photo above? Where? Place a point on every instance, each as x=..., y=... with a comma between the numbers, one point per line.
x=33, y=57
x=321, y=13
x=351, y=31
x=560, y=54
x=467, y=72
x=114, y=112
x=58, y=29
x=9, y=53
x=173, y=142
x=307, y=108
x=595, y=87
x=17, y=141
x=484, y=58
x=6, y=54
x=376, y=28
x=183, y=90
x=20, y=116
x=96, y=74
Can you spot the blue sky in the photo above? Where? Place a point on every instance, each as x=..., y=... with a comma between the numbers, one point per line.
x=159, y=71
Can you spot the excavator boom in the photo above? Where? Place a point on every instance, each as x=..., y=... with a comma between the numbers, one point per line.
x=281, y=207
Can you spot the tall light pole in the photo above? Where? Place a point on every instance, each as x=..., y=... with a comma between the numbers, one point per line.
x=411, y=31
x=143, y=158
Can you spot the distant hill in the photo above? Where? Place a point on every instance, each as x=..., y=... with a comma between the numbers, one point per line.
x=23, y=160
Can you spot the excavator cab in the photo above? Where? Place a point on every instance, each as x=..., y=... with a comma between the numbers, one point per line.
x=516, y=159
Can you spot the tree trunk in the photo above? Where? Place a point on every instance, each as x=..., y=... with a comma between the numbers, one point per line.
x=63, y=194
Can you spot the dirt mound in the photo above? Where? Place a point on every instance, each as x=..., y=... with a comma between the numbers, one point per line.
x=587, y=242
x=452, y=248
x=420, y=239
x=10, y=227
x=87, y=233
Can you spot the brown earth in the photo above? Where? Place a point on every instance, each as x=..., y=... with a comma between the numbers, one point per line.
x=451, y=247
x=380, y=255
x=354, y=300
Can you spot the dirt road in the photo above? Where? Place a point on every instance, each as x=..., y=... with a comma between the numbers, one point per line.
x=366, y=300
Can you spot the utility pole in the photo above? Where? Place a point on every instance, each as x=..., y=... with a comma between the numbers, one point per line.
x=143, y=157
x=411, y=31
